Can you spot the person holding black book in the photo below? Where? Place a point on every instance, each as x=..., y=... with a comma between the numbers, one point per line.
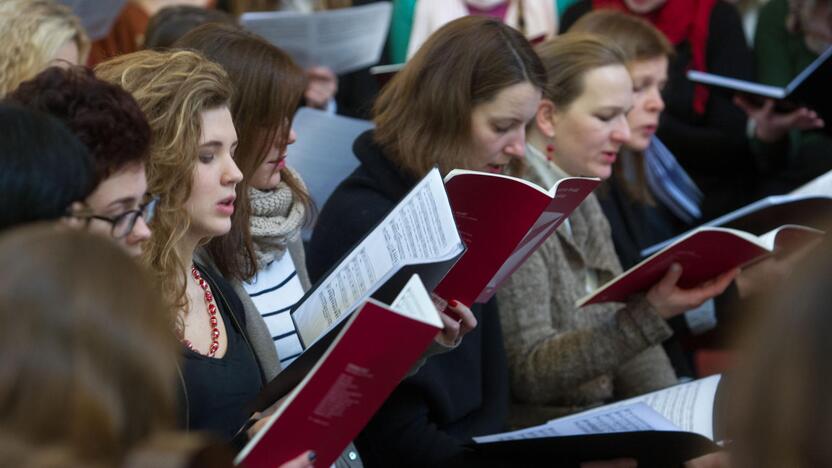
x=791, y=147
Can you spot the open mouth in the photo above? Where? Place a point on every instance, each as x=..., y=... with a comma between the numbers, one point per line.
x=226, y=205
x=495, y=168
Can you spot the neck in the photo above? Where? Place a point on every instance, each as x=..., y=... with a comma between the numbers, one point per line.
x=186, y=248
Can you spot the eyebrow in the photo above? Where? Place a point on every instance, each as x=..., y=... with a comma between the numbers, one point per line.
x=125, y=202
x=613, y=108
x=504, y=118
x=213, y=143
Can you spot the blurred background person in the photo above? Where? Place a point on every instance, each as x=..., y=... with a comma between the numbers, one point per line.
x=127, y=34
x=791, y=146
x=171, y=23
x=535, y=19
x=36, y=34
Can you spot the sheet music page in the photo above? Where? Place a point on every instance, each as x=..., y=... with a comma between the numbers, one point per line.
x=421, y=229
x=97, y=17
x=344, y=39
x=414, y=301
x=688, y=406
x=626, y=418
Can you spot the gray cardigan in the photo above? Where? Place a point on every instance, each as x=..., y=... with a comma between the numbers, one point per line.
x=563, y=359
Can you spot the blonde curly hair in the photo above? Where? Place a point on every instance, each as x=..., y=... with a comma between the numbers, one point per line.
x=33, y=31
x=172, y=88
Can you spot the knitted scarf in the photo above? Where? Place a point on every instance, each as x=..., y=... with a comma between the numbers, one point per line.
x=276, y=218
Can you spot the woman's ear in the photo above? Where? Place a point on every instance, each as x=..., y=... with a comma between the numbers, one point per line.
x=545, y=118
x=73, y=221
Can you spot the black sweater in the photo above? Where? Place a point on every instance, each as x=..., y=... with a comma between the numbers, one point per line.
x=215, y=391
x=712, y=147
x=454, y=396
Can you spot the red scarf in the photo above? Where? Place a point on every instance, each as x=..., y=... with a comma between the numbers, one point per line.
x=680, y=20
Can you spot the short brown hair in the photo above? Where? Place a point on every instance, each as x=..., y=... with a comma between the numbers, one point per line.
x=268, y=89
x=637, y=38
x=423, y=116
x=568, y=58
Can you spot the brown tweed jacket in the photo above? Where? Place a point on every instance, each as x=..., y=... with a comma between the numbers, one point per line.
x=563, y=359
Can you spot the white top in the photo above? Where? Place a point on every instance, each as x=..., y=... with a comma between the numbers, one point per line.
x=429, y=15
x=274, y=291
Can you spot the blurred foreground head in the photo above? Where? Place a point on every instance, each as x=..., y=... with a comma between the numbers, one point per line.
x=783, y=394
x=87, y=357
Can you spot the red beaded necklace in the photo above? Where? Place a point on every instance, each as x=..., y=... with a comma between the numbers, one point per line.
x=212, y=315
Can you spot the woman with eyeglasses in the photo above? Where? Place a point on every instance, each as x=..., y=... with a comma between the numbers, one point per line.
x=112, y=126
x=186, y=99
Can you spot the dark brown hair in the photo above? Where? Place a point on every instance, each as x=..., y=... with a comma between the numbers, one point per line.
x=87, y=355
x=423, y=116
x=269, y=87
x=169, y=24
x=102, y=115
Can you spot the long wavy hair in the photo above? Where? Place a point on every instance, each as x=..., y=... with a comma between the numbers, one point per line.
x=268, y=88
x=32, y=32
x=172, y=88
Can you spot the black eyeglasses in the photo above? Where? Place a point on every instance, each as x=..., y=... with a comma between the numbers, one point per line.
x=123, y=224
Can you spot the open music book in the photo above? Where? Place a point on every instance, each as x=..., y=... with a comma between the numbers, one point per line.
x=502, y=220
x=364, y=363
x=662, y=428
x=806, y=206
x=809, y=88
x=703, y=253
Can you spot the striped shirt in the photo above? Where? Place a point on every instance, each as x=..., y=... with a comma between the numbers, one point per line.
x=274, y=291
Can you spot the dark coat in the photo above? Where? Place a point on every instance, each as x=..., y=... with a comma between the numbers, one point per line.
x=454, y=396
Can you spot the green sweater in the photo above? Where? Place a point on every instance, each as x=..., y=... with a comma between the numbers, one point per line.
x=780, y=56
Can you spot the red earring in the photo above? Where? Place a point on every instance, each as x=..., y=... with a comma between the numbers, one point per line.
x=550, y=150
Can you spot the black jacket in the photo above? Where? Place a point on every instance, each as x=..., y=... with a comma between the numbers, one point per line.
x=454, y=396
x=198, y=410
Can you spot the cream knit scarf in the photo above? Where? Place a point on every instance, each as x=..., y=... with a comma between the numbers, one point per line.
x=276, y=219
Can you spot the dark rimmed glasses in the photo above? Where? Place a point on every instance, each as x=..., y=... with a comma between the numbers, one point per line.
x=122, y=225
